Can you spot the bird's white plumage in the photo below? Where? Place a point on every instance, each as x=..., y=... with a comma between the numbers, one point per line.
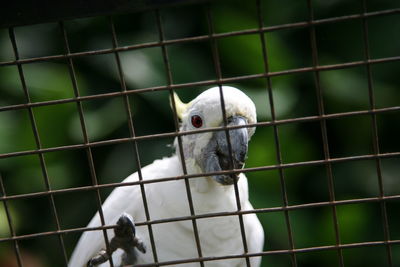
x=219, y=236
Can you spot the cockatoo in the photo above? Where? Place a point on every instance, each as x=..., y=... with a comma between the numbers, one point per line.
x=204, y=152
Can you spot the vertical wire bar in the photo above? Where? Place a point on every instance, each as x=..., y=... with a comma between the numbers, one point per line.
x=85, y=134
x=10, y=225
x=217, y=66
x=38, y=144
x=276, y=134
x=182, y=156
x=133, y=135
x=321, y=112
x=375, y=141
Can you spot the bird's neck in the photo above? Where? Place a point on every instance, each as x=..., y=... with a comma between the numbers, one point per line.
x=207, y=194
x=210, y=196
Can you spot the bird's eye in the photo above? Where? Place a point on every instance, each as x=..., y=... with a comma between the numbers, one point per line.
x=197, y=121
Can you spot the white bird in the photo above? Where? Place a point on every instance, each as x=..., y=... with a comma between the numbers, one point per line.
x=203, y=153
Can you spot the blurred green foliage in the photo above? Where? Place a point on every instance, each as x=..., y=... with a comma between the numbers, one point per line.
x=294, y=96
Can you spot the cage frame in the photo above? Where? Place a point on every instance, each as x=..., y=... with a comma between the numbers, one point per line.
x=219, y=81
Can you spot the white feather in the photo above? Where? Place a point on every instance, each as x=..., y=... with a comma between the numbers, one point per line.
x=219, y=236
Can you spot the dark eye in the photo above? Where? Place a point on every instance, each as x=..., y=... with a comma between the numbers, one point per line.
x=197, y=121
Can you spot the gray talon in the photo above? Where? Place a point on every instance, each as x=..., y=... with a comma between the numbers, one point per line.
x=125, y=226
x=125, y=239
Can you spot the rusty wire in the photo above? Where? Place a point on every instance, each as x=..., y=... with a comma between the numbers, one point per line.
x=133, y=139
x=276, y=135
x=324, y=132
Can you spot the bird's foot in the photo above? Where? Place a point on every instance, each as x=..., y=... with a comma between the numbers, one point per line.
x=125, y=238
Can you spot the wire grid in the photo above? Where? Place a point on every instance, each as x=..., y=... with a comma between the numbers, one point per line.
x=219, y=80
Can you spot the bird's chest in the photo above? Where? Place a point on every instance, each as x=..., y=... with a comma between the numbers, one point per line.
x=220, y=236
x=176, y=240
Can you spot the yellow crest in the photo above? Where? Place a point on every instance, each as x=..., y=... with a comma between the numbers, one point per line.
x=179, y=105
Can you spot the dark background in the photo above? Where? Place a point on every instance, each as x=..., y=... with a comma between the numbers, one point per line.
x=294, y=95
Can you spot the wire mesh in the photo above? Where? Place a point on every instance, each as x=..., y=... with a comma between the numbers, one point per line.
x=339, y=244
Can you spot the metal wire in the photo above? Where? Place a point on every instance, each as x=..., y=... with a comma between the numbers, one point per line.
x=179, y=138
x=217, y=66
x=375, y=141
x=212, y=37
x=133, y=135
x=296, y=25
x=276, y=136
x=86, y=140
x=38, y=144
x=219, y=214
x=321, y=111
x=164, y=135
x=10, y=223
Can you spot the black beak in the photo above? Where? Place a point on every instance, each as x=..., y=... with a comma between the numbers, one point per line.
x=219, y=157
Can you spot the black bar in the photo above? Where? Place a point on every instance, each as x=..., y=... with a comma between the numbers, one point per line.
x=17, y=13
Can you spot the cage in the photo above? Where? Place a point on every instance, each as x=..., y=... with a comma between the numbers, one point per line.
x=84, y=102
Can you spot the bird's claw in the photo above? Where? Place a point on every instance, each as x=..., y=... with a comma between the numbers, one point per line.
x=101, y=257
x=140, y=245
x=125, y=238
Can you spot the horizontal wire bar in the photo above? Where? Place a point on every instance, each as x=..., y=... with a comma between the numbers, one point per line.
x=226, y=172
x=213, y=129
x=210, y=215
x=16, y=14
x=275, y=252
x=204, y=37
x=201, y=83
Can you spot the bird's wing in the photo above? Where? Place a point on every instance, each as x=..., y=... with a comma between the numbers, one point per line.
x=122, y=199
x=254, y=229
x=91, y=242
x=254, y=234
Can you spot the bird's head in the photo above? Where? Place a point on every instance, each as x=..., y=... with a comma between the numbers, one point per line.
x=207, y=152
